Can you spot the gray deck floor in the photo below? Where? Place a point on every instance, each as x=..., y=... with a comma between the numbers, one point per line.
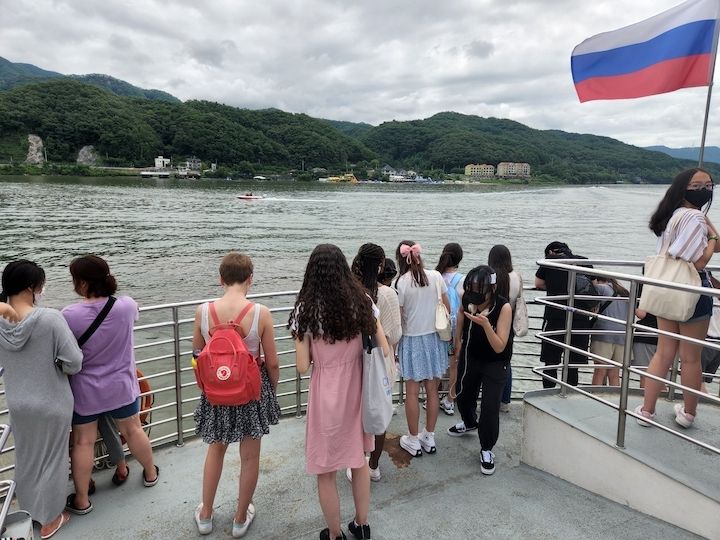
x=439, y=496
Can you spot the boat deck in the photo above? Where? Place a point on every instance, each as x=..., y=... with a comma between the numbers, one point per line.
x=438, y=496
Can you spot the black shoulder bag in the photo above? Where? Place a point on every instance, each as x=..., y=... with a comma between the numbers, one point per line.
x=97, y=322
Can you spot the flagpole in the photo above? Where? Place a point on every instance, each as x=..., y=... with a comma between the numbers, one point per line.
x=701, y=154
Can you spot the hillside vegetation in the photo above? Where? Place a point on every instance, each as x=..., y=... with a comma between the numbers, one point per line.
x=69, y=114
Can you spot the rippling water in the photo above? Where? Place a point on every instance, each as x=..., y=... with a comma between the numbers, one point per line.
x=164, y=239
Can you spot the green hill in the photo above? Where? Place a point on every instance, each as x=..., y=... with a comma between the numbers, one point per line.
x=449, y=141
x=69, y=114
x=13, y=74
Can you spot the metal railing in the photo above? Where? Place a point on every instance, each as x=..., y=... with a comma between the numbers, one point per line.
x=574, y=267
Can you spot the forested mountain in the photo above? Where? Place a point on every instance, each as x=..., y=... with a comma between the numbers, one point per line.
x=450, y=140
x=712, y=153
x=68, y=114
x=13, y=74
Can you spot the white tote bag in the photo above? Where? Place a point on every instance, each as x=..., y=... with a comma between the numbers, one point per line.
x=442, y=317
x=520, y=318
x=662, y=302
x=377, y=407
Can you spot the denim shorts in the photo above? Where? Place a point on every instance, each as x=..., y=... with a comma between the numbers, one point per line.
x=125, y=411
x=703, y=308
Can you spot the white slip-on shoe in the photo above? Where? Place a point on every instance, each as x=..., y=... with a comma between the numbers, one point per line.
x=682, y=418
x=639, y=410
x=240, y=529
x=204, y=526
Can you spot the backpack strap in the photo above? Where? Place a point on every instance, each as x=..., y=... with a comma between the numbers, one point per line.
x=454, y=280
x=213, y=314
x=239, y=318
x=97, y=322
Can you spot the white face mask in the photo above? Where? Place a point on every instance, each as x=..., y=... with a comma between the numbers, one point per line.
x=37, y=296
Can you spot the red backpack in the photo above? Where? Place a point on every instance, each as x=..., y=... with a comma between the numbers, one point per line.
x=226, y=371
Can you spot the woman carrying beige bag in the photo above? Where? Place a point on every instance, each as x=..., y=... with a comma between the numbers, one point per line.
x=686, y=233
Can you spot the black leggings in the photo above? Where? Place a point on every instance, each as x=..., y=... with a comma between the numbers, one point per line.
x=490, y=376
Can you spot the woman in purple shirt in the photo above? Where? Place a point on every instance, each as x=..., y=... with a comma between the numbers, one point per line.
x=107, y=382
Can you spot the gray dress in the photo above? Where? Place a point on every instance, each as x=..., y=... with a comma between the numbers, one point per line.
x=37, y=355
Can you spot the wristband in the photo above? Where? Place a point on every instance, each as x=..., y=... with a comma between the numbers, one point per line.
x=713, y=237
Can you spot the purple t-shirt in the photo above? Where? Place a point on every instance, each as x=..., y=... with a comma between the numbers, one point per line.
x=107, y=380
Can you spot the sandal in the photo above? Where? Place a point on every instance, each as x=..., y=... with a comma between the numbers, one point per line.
x=64, y=518
x=120, y=481
x=70, y=506
x=151, y=483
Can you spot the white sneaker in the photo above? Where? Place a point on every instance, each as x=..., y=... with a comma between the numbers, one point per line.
x=504, y=407
x=375, y=475
x=639, y=410
x=487, y=462
x=204, y=526
x=427, y=441
x=459, y=429
x=240, y=529
x=682, y=418
x=411, y=445
x=447, y=406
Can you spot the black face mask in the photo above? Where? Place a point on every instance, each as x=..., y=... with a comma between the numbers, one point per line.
x=698, y=197
x=474, y=298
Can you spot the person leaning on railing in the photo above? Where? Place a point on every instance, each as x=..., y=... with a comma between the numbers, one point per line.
x=694, y=239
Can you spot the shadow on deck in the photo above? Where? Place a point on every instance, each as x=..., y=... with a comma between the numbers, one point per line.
x=439, y=496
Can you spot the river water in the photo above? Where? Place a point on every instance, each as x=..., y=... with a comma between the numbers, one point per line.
x=164, y=238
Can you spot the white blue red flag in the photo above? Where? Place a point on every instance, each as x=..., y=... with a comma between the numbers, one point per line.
x=672, y=50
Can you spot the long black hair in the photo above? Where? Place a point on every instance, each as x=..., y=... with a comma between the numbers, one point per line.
x=500, y=260
x=450, y=257
x=365, y=266
x=20, y=275
x=332, y=304
x=415, y=266
x=672, y=200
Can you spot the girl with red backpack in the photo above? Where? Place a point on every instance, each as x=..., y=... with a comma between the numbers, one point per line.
x=222, y=424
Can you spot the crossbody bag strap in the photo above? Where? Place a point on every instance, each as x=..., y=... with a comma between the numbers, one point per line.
x=439, y=291
x=97, y=322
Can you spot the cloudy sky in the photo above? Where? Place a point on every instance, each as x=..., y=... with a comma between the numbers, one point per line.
x=364, y=61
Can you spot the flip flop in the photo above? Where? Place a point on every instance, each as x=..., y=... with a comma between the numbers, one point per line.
x=151, y=483
x=64, y=518
x=120, y=481
x=70, y=506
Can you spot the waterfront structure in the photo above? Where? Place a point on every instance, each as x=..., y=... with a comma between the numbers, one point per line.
x=162, y=162
x=484, y=170
x=507, y=169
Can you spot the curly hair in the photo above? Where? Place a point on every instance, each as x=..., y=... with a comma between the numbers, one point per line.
x=365, y=266
x=332, y=304
x=415, y=266
x=672, y=200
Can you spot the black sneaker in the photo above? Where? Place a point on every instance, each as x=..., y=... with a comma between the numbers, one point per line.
x=325, y=535
x=361, y=532
x=487, y=462
x=459, y=429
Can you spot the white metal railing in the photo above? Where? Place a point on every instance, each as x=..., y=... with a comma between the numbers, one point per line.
x=573, y=267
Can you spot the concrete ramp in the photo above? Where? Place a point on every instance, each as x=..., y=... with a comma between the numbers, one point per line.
x=656, y=473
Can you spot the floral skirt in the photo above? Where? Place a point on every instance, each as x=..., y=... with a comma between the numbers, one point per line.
x=232, y=423
x=422, y=357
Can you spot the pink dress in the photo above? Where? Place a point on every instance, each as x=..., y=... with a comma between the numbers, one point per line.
x=334, y=437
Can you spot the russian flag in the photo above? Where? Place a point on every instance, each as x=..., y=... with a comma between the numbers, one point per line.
x=675, y=49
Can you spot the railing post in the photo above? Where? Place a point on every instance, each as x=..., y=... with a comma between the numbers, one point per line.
x=298, y=394
x=568, y=330
x=627, y=355
x=673, y=378
x=178, y=377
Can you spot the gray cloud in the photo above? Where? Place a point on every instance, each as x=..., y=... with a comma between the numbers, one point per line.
x=368, y=61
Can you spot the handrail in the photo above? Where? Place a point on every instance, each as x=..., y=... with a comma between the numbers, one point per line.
x=576, y=266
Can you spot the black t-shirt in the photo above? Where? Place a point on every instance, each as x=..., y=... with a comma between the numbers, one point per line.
x=556, y=284
x=476, y=343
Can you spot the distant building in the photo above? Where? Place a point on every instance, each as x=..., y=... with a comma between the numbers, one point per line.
x=387, y=169
x=193, y=164
x=483, y=170
x=513, y=170
x=162, y=163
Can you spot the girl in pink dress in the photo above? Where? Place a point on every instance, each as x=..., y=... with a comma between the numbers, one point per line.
x=331, y=314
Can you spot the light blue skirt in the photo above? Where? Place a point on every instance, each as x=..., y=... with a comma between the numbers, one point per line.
x=422, y=357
